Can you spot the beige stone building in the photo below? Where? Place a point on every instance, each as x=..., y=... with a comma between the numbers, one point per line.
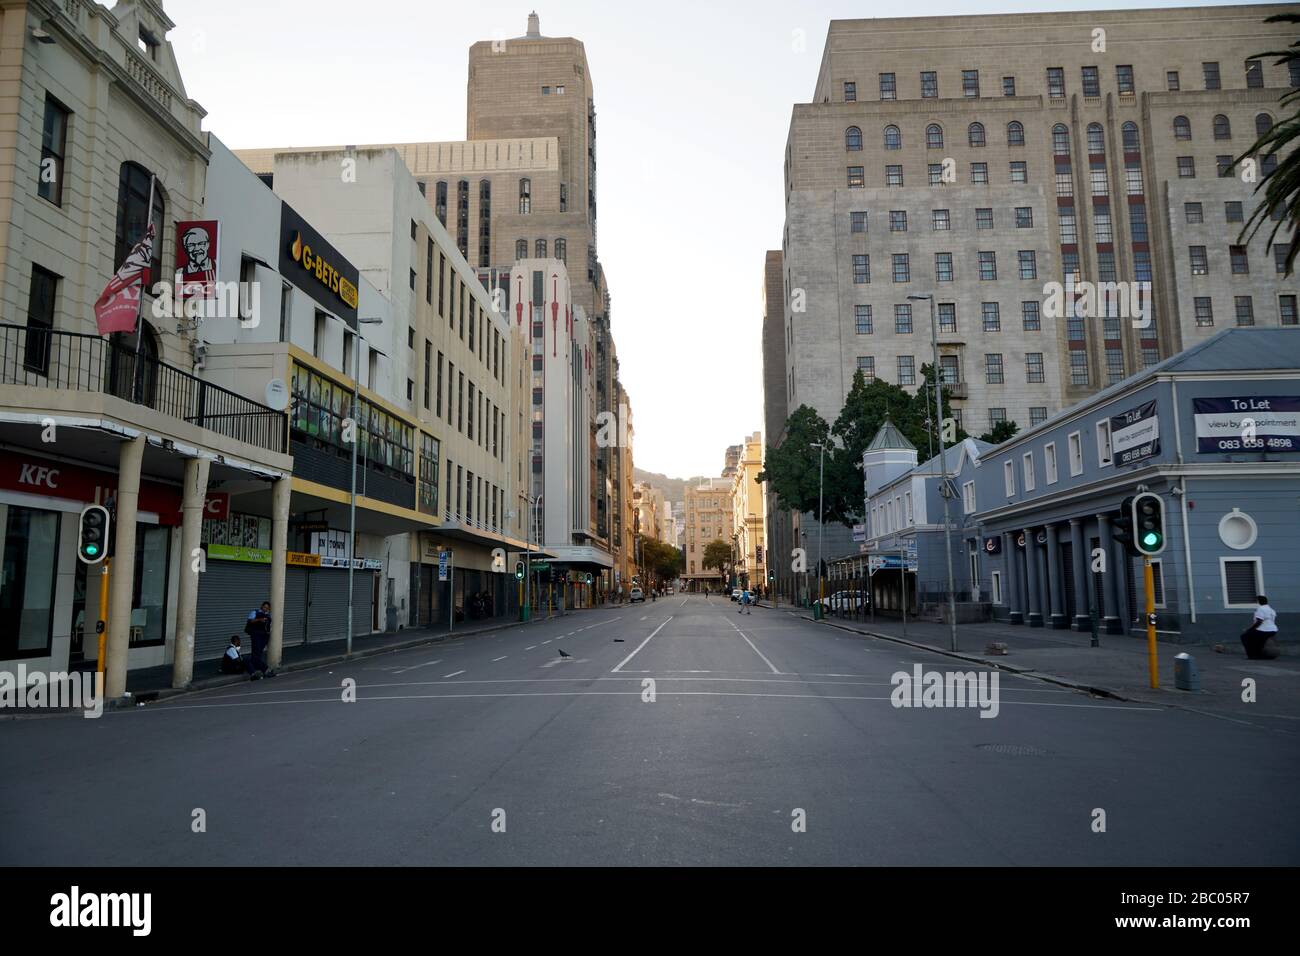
x=748, y=514
x=982, y=159
x=709, y=517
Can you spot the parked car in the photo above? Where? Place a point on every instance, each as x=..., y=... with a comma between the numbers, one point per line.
x=843, y=601
x=637, y=595
x=735, y=594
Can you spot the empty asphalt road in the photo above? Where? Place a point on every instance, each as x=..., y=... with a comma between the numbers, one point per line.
x=676, y=732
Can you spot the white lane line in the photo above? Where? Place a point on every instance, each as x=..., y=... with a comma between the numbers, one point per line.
x=414, y=666
x=547, y=641
x=644, y=616
x=501, y=658
x=756, y=650
x=529, y=648
x=452, y=674
x=641, y=645
x=683, y=604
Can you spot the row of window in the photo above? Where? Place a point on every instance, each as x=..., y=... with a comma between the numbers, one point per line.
x=941, y=219
x=464, y=405
x=901, y=266
x=539, y=249
x=975, y=136
x=321, y=407
x=482, y=502
x=1018, y=172
x=1238, y=259
x=1090, y=79
x=950, y=368
x=1224, y=166
x=1222, y=126
x=1243, y=308
x=1031, y=319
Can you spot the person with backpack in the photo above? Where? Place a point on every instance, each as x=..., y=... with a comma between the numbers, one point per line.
x=258, y=627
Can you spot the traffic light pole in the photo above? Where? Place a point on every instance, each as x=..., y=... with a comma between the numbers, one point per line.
x=101, y=626
x=1148, y=578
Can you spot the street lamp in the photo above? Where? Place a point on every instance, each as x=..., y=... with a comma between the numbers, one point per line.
x=352, y=496
x=943, y=467
x=821, y=521
x=528, y=551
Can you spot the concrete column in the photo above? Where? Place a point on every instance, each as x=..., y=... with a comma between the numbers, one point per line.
x=122, y=580
x=193, y=496
x=1011, y=582
x=1056, y=593
x=1082, y=560
x=280, y=495
x=1117, y=567
x=1035, y=602
x=1109, y=616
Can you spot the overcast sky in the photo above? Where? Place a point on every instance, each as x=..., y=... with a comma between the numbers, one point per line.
x=694, y=103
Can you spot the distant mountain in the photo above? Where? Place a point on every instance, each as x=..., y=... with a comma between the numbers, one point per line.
x=674, y=489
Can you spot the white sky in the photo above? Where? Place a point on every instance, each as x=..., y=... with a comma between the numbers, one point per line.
x=693, y=102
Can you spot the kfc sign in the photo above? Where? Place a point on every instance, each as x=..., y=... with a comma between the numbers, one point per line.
x=196, y=259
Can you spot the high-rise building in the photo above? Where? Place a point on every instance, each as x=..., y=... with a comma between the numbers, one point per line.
x=782, y=524
x=986, y=162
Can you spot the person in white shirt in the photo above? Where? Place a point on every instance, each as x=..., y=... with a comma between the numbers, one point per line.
x=233, y=662
x=1262, y=627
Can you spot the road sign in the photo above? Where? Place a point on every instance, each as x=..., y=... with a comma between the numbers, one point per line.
x=444, y=561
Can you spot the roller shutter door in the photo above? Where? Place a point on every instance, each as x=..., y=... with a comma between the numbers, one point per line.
x=228, y=590
x=327, y=612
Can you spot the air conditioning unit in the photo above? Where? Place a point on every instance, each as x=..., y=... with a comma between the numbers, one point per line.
x=199, y=352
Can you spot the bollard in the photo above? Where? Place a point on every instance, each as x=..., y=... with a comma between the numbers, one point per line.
x=1186, y=676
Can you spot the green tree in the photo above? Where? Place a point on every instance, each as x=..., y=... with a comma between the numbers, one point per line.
x=1282, y=188
x=1002, y=431
x=717, y=554
x=662, y=561
x=791, y=467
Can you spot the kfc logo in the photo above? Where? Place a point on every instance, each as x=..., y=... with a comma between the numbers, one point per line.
x=196, y=273
x=39, y=476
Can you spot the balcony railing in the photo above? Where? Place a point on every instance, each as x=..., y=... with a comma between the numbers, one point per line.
x=47, y=358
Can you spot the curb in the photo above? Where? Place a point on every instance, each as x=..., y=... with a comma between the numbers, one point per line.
x=985, y=662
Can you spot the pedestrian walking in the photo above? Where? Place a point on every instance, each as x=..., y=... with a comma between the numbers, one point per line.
x=258, y=627
x=1263, y=628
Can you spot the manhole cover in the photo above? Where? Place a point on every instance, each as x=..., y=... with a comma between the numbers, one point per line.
x=1014, y=750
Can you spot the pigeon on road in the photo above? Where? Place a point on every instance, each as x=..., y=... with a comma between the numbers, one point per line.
x=562, y=654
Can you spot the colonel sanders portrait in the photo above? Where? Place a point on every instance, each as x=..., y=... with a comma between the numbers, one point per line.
x=196, y=243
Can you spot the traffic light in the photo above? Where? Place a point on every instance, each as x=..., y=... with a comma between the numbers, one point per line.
x=771, y=574
x=92, y=534
x=589, y=577
x=1149, y=523
x=519, y=570
x=1122, y=527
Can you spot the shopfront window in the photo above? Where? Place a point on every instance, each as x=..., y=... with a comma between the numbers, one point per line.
x=149, y=603
x=27, y=587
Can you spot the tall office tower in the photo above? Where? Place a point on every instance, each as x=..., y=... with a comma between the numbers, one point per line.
x=988, y=161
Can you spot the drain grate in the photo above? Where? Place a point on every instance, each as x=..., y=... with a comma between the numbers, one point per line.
x=1014, y=750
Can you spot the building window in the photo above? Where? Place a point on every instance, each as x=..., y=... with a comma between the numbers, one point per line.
x=1015, y=133
x=1171, y=81
x=970, y=82
x=1008, y=470
x=988, y=265
x=948, y=320
x=850, y=92
x=949, y=370
x=525, y=197
x=867, y=366
x=562, y=250
x=993, y=368
x=1223, y=164
x=902, y=267
x=1034, y=367
x=1091, y=82
x=132, y=219
x=857, y=179
x=940, y=221
x=1064, y=184
x=539, y=249
x=1101, y=224
x=1114, y=366
x=929, y=85
x=862, y=319
x=40, y=320
x=1240, y=263
x=1241, y=581
x=1199, y=261
x=1245, y=308
x=1056, y=82
x=857, y=222
x=893, y=138
x=992, y=316
x=1124, y=80
x=1142, y=263
x=906, y=370
x=1204, y=311
x=1031, y=316
x=1008, y=86
x=1222, y=128
x=975, y=134
x=888, y=88
x=54, y=142
x=1019, y=172
x=861, y=269
x=1280, y=253
x=1133, y=185
x=935, y=171
x=1182, y=128
x=1263, y=123
x=1186, y=167
x=1027, y=469
x=903, y=319
x=1100, y=184
x=1037, y=415
x=1024, y=217
x=943, y=266
x=1211, y=71
x=1286, y=308
x=898, y=220
x=1232, y=212
x=1061, y=140
x=429, y=447
x=521, y=249
x=893, y=175
x=1076, y=454
x=1194, y=212
x=979, y=174
x=934, y=136
x=1078, y=367
x=853, y=138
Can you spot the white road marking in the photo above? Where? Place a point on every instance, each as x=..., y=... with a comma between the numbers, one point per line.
x=452, y=674
x=644, y=616
x=547, y=641
x=641, y=645
x=529, y=648
x=414, y=666
x=756, y=650
x=501, y=658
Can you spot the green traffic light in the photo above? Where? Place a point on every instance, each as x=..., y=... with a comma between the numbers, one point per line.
x=92, y=549
x=1150, y=539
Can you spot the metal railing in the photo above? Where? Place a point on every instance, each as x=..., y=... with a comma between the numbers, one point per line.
x=48, y=358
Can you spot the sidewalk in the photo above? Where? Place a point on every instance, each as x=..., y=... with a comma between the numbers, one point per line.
x=154, y=683
x=1118, y=668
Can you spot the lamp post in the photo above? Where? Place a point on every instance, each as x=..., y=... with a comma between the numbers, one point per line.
x=943, y=468
x=352, y=496
x=821, y=522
